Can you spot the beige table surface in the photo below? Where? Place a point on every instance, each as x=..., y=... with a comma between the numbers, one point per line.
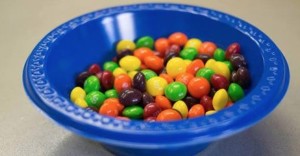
x=25, y=131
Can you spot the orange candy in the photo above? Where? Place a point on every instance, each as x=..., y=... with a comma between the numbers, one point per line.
x=122, y=82
x=198, y=87
x=162, y=45
x=111, y=107
x=163, y=102
x=167, y=77
x=184, y=78
x=196, y=111
x=116, y=102
x=193, y=67
x=122, y=118
x=178, y=38
x=154, y=62
x=142, y=53
x=207, y=48
x=109, y=110
x=229, y=103
x=168, y=115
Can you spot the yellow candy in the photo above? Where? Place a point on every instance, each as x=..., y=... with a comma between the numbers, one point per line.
x=81, y=103
x=77, y=92
x=119, y=71
x=131, y=74
x=125, y=44
x=210, y=63
x=193, y=43
x=130, y=63
x=181, y=107
x=218, y=67
x=220, y=99
x=176, y=66
x=210, y=112
x=187, y=62
x=156, y=86
x=223, y=69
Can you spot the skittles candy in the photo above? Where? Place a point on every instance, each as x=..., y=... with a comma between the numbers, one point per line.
x=164, y=79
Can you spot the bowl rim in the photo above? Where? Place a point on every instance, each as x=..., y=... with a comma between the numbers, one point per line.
x=269, y=91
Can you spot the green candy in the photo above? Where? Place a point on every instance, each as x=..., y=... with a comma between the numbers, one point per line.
x=219, y=54
x=188, y=53
x=229, y=65
x=133, y=112
x=235, y=91
x=95, y=99
x=112, y=93
x=206, y=73
x=148, y=73
x=175, y=91
x=91, y=84
x=110, y=66
x=145, y=41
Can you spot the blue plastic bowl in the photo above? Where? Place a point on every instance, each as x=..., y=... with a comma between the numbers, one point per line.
x=69, y=49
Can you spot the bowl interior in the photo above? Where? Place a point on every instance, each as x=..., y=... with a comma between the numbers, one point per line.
x=94, y=41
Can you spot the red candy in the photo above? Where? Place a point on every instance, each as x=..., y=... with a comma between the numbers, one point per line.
x=151, y=110
x=206, y=102
x=94, y=68
x=173, y=49
x=107, y=80
x=233, y=48
x=219, y=81
x=150, y=119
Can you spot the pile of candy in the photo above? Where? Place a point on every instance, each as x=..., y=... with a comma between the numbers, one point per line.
x=163, y=80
